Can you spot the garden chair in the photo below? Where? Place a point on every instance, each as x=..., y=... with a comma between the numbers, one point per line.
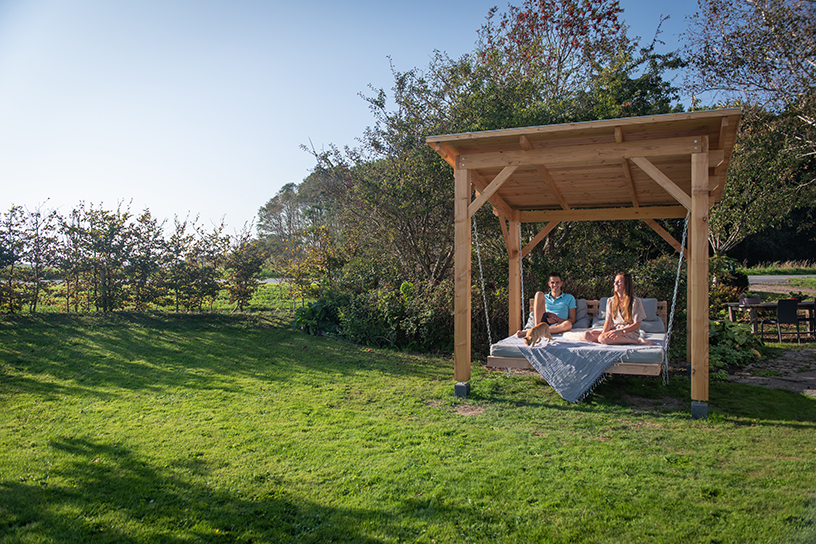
x=786, y=314
x=809, y=319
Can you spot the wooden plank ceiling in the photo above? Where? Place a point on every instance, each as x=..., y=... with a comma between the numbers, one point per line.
x=637, y=167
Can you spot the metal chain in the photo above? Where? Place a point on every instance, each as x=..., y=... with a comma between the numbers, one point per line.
x=481, y=277
x=674, y=304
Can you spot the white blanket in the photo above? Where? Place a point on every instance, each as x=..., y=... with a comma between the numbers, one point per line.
x=573, y=368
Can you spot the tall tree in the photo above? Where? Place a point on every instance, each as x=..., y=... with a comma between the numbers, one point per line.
x=13, y=244
x=243, y=265
x=41, y=250
x=761, y=52
x=145, y=267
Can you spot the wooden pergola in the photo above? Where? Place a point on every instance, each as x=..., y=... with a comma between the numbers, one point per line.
x=648, y=168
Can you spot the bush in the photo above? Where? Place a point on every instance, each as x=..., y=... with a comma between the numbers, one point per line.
x=412, y=317
x=725, y=271
x=317, y=318
x=730, y=346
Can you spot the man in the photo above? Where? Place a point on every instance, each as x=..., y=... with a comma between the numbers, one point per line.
x=557, y=308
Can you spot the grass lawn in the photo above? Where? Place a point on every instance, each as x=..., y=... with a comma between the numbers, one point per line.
x=219, y=428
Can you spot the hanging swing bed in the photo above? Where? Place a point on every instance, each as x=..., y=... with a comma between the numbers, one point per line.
x=574, y=367
x=643, y=168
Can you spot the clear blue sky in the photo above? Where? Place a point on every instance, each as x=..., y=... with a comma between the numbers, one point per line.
x=200, y=106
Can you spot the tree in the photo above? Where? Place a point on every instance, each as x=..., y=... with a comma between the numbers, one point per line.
x=101, y=245
x=194, y=263
x=767, y=180
x=144, y=269
x=13, y=244
x=553, y=45
x=40, y=250
x=761, y=52
x=243, y=264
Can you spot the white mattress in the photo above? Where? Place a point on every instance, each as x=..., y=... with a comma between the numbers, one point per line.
x=508, y=347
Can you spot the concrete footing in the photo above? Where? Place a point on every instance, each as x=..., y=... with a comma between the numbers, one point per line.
x=461, y=389
x=699, y=409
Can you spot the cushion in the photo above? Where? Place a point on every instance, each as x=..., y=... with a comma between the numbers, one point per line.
x=650, y=305
x=582, y=319
x=530, y=321
x=652, y=323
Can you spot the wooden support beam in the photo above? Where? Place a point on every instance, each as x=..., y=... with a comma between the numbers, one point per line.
x=524, y=142
x=619, y=134
x=604, y=214
x=503, y=226
x=578, y=154
x=538, y=237
x=514, y=278
x=491, y=189
x=462, y=257
x=495, y=199
x=542, y=170
x=664, y=181
x=630, y=182
x=698, y=266
x=665, y=235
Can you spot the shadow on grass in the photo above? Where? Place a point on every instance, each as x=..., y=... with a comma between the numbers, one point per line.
x=58, y=354
x=741, y=403
x=106, y=494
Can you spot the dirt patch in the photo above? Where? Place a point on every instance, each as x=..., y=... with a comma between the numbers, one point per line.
x=641, y=404
x=468, y=410
x=794, y=370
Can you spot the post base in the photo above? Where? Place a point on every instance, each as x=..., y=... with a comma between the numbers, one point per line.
x=699, y=409
x=461, y=389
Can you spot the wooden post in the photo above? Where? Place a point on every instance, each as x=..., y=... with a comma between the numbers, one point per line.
x=462, y=256
x=698, y=303
x=514, y=279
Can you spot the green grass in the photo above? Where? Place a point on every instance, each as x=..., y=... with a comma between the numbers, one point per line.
x=782, y=268
x=268, y=297
x=808, y=283
x=216, y=428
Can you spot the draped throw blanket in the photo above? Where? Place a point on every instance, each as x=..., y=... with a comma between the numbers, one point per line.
x=573, y=368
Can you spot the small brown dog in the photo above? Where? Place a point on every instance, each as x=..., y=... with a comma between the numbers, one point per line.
x=542, y=330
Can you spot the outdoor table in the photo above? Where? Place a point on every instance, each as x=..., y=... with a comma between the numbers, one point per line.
x=753, y=309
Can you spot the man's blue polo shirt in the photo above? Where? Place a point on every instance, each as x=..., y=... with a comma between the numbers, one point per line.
x=560, y=306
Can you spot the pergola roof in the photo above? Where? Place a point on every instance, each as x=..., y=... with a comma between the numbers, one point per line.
x=629, y=166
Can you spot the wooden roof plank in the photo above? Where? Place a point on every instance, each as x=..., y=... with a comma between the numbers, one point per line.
x=562, y=154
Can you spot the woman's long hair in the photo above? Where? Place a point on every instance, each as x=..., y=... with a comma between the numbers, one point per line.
x=628, y=297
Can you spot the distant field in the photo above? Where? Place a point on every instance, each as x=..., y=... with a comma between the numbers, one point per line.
x=784, y=268
x=270, y=297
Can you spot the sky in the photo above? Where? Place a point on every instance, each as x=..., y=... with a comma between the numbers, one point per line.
x=199, y=108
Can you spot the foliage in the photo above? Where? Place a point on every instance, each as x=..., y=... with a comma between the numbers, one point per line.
x=553, y=46
x=725, y=271
x=759, y=50
x=759, y=54
x=317, y=318
x=243, y=265
x=767, y=180
x=731, y=345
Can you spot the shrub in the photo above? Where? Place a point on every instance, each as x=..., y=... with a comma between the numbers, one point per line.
x=730, y=345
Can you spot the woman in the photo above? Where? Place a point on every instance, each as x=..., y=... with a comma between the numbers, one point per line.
x=624, y=313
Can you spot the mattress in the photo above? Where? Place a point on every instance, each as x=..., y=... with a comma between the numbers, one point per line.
x=509, y=347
